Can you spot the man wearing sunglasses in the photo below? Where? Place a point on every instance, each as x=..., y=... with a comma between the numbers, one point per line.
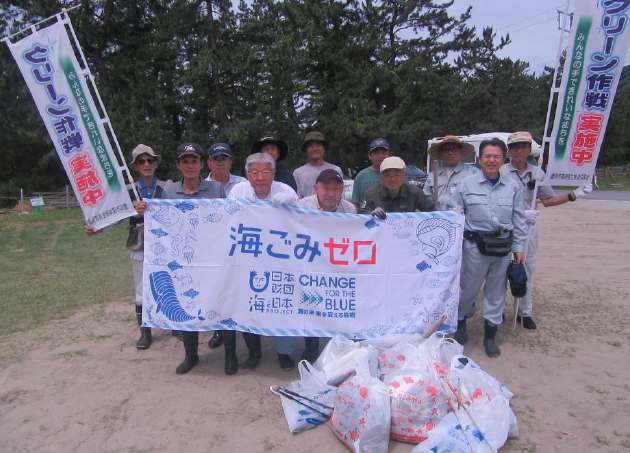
x=145, y=162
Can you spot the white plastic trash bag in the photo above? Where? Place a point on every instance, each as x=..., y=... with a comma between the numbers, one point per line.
x=418, y=404
x=362, y=414
x=457, y=433
x=399, y=356
x=342, y=357
x=312, y=385
x=481, y=423
x=385, y=342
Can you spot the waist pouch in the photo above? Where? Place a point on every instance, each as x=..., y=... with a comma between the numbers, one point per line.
x=135, y=240
x=490, y=245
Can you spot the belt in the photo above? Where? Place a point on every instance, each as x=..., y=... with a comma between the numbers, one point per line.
x=470, y=235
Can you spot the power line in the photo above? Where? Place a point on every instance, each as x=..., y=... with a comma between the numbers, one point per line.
x=531, y=17
x=532, y=25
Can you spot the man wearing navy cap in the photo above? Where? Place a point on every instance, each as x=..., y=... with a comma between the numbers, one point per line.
x=371, y=176
x=191, y=186
x=220, y=163
x=329, y=198
x=328, y=194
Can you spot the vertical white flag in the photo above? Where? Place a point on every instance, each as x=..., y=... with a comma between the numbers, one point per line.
x=595, y=57
x=57, y=84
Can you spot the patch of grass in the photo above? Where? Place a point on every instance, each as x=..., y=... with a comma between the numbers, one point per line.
x=625, y=443
x=602, y=440
x=607, y=183
x=51, y=268
x=71, y=354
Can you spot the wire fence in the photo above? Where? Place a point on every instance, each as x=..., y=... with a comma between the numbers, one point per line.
x=52, y=200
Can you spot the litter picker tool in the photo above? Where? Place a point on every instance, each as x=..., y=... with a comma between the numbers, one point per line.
x=300, y=399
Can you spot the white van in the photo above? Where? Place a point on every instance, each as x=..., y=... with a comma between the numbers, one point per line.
x=476, y=140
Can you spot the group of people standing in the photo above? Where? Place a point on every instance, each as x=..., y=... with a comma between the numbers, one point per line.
x=491, y=198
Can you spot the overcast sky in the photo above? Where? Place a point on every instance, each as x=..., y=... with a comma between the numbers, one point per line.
x=532, y=25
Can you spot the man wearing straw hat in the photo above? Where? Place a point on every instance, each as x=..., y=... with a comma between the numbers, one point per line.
x=145, y=162
x=525, y=175
x=451, y=150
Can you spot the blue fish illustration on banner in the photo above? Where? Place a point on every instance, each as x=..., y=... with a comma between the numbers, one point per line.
x=438, y=235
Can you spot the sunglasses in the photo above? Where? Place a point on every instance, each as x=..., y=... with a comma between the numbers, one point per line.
x=145, y=161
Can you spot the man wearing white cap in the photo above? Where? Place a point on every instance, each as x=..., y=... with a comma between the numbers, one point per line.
x=145, y=162
x=451, y=150
x=394, y=194
x=526, y=175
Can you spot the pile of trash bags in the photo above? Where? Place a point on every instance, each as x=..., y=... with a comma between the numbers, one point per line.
x=401, y=387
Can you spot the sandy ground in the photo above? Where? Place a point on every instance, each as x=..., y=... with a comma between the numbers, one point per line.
x=80, y=385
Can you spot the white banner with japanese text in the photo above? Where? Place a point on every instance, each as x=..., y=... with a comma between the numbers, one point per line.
x=592, y=69
x=58, y=86
x=287, y=271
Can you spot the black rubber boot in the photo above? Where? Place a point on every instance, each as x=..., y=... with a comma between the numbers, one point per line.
x=527, y=322
x=461, y=334
x=286, y=362
x=229, y=344
x=311, y=351
x=216, y=340
x=490, y=332
x=191, y=341
x=145, y=332
x=253, y=343
x=178, y=334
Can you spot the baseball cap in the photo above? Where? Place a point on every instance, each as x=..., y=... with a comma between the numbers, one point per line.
x=519, y=137
x=219, y=149
x=328, y=174
x=143, y=149
x=192, y=149
x=379, y=143
x=518, y=279
x=314, y=136
x=393, y=162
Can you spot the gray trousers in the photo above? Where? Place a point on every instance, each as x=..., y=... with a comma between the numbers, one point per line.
x=526, y=306
x=477, y=268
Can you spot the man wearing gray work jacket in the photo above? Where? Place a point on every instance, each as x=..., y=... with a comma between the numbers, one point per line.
x=191, y=186
x=525, y=175
x=494, y=227
x=451, y=150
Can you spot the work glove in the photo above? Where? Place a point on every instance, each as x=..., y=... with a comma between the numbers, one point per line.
x=379, y=213
x=583, y=191
x=282, y=198
x=531, y=215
